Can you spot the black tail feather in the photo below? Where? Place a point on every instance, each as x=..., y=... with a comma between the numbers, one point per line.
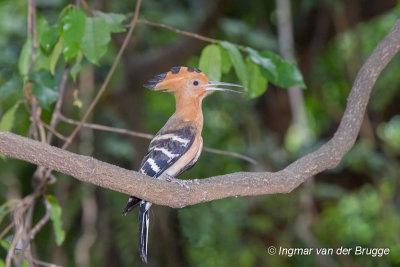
x=133, y=202
x=144, y=219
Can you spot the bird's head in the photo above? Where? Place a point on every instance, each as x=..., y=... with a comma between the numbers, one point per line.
x=186, y=81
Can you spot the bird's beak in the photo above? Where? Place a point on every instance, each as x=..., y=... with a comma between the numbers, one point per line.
x=210, y=87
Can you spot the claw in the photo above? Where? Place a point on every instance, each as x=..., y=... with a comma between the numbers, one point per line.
x=168, y=178
x=182, y=183
x=194, y=181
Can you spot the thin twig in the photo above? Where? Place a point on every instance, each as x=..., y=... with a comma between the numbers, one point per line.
x=41, y=131
x=32, y=30
x=35, y=113
x=59, y=136
x=42, y=221
x=6, y=230
x=19, y=209
x=106, y=81
x=231, y=154
x=86, y=7
x=186, y=33
x=84, y=4
x=11, y=252
x=20, y=228
x=57, y=108
x=43, y=263
x=32, y=33
x=18, y=233
x=107, y=128
x=25, y=240
x=150, y=136
x=190, y=34
x=29, y=26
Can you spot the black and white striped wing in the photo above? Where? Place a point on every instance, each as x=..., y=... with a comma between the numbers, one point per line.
x=165, y=149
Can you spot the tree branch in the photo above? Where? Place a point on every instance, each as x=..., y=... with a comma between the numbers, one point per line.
x=328, y=156
x=163, y=26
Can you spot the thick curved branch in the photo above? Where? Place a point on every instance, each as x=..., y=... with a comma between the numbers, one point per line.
x=90, y=170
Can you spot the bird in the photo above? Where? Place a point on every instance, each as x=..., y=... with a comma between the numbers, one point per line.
x=178, y=144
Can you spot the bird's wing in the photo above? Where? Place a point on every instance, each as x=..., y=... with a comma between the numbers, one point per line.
x=194, y=160
x=166, y=148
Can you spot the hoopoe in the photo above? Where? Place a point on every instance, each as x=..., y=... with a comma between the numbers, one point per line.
x=178, y=145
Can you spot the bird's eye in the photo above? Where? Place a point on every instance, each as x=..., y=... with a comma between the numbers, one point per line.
x=195, y=83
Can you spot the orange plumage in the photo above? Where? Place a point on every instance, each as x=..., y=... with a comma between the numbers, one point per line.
x=178, y=145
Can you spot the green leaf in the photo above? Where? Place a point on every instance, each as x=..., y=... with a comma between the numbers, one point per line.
x=71, y=29
x=55, y=56
x=25, y=57
x=113, y=20
x=257, y=82
x=226, y=63
x=11, y=87
x=7, y=208
x=77, y=65
x=42, y=60
x=210, y=62
x=7, y=121
x=41, y=25
x=5, y=244
x=55, y=217
x=96, y=38
x=266, y=63
x=288, y=74
x=2, y=264
x=48, y=38
x=63, y=12
x=237, y=62
x=44, y=88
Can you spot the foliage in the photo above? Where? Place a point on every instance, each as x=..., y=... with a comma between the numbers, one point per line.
x=255, y=72
x=55, y=217
x=354, y=204
x=210, y=62
x=8, y=118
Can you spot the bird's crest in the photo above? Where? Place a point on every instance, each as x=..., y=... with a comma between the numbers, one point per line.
x=174, y=72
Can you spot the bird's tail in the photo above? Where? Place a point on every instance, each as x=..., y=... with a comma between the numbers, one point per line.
x=132, y=203
x=144, y=219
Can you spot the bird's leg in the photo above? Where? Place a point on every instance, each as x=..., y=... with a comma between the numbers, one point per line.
x=183, y=183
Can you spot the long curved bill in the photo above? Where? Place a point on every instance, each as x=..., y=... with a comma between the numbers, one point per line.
x=210, y=87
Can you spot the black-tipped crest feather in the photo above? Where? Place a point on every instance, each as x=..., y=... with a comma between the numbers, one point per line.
x=158, y=78
x=153, y=82
x=175, y=70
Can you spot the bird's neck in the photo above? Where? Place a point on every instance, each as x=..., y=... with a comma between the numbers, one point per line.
x=188, y=109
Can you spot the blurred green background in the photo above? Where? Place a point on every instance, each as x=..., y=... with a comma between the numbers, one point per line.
x=357, y=203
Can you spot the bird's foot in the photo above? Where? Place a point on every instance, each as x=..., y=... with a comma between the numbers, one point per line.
x=183, y=183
